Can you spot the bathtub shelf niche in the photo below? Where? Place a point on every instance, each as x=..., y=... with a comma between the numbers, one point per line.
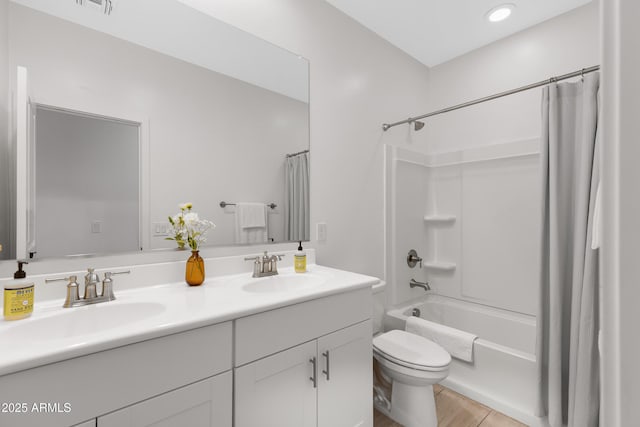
x=440, y=265
x=439, y=219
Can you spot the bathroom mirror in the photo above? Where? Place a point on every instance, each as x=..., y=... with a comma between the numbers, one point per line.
x=221, y=116
x=75, y=205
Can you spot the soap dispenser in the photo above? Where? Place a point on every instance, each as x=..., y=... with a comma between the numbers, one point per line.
x=18, y=296
x=300, y=259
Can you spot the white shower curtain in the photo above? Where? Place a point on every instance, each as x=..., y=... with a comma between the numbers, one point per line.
x=566, y=348
x=296, y=201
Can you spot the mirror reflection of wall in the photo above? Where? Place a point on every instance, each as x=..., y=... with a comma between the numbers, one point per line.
x=87, y=176
x=7, y=156
x=206, y=137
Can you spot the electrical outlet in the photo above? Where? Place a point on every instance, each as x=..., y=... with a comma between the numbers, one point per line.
x=160, y=229
x=321, y=231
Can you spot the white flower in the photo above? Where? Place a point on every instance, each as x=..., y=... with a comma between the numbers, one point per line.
x=191, y=218
x=188, y=228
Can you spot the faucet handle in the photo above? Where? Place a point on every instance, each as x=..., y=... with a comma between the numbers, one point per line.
x=257, y=264
x=73, y=293
x=58, y=279
x=114, y=273
x=413, y=259
x=107, y=284
x=273, y=262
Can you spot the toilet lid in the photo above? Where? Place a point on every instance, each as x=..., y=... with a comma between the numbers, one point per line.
x=411, y=349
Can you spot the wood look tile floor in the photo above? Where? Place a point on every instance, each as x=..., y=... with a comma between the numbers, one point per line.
x=456, y=410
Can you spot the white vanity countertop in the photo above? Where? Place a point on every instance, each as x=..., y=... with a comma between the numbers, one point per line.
x=53, y=333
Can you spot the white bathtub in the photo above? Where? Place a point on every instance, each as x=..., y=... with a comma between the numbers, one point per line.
x=503, y=373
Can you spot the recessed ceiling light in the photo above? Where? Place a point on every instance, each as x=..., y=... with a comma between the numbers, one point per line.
x=500, y=13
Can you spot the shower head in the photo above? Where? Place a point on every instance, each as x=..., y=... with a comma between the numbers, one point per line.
x=417, y=125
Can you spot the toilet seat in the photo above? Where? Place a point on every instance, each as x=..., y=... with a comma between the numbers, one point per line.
x=411, y=351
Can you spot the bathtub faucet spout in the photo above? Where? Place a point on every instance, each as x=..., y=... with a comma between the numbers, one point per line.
x=414, y=283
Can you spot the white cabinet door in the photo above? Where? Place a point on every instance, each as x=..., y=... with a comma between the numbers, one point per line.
x=278, y=391
x=345, y=372
x=206, y=403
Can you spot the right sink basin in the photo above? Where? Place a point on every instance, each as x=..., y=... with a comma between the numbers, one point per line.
x=283, y=283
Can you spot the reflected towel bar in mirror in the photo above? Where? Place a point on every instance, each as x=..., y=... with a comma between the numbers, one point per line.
x=225, y=204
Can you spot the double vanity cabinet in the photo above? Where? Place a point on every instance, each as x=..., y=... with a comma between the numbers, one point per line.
x=304, y=361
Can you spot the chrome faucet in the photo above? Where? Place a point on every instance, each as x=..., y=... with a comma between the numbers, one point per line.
x=424, y=285
x=91, y=281
x=265, y=265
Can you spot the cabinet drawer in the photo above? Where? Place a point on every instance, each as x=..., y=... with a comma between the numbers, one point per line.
x=103, y=382
x=206, y=403
x=267, y=333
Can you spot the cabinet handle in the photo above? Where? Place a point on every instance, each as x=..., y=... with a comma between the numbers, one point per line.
x=326, y=355
x=314, y=378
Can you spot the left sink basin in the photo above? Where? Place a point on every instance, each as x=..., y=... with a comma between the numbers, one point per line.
x=81, y=321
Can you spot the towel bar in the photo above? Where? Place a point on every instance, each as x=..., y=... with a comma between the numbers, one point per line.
x=225, y=204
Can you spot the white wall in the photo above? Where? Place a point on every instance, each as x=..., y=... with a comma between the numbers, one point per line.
x=5, y=152
x=495, y=240
x=210, y=137
x=560, y=45
x=620, y=347
x=87, y=170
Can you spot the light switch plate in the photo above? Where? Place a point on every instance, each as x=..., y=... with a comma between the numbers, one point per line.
x=160, y=229
x=96, y=227
x=321, y=231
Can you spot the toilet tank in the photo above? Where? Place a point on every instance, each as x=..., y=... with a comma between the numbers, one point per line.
x=379, y=306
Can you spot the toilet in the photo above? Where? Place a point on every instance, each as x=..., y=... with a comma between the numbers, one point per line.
x=413, y=364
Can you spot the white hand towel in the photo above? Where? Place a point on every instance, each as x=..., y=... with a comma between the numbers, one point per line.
x=458, y=343
x=251, y=215
x=251, y=223
x=251, y=235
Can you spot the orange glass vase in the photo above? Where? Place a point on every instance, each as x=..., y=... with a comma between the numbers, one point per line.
x=194, y=274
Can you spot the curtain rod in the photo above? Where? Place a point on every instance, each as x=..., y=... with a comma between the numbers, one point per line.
x=295, y=154
x=582, y=72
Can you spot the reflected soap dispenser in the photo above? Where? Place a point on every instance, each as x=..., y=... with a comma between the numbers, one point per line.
x=18, y=296
x=300, y=260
